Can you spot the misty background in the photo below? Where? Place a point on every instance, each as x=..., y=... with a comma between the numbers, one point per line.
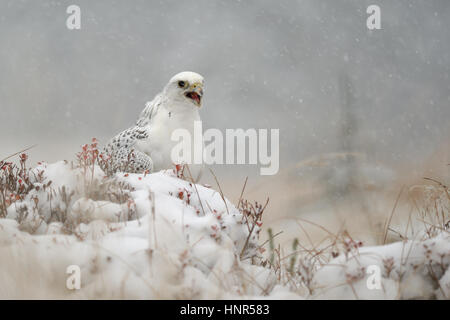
x=309, y=68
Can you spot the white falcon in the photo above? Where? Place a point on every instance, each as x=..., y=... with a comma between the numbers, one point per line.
x=148, y=144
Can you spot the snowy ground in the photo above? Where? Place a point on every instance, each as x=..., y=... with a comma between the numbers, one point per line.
x=158, y=236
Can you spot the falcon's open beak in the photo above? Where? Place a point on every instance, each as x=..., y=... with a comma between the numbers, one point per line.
x=195, y=93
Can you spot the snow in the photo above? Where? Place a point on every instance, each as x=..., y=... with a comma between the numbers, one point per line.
x=157, y=236
x=169, y=238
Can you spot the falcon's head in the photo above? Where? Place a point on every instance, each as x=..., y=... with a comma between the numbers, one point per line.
x=186, y=87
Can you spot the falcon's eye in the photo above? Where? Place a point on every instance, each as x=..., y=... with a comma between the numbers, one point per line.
x=181, y=84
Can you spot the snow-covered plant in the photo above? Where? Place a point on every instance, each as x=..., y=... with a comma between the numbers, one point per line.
x=162, y=236
x=14, y=182
x=189, y=232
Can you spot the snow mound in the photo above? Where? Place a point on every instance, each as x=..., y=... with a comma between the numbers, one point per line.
x=152, y=236
x=158, y=236
x=405, y=270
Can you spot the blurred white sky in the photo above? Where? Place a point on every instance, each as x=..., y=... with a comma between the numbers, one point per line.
x=267, y=64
